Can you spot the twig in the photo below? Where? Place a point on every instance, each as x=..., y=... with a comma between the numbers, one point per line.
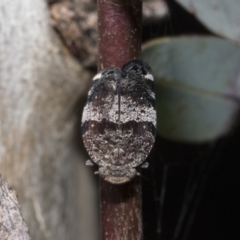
x=119, y=25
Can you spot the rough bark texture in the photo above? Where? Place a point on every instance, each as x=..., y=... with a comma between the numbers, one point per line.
x=40, y=87
x=12, y=225
x=76, y=23
x=119, y=25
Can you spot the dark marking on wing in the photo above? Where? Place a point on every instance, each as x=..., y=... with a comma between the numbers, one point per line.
x=119, y=120
x=137, y=97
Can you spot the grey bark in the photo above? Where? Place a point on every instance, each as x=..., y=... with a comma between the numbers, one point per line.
x=12, y=226
x=41, y=86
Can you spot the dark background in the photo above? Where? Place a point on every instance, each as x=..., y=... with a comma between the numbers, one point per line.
x=204, y=177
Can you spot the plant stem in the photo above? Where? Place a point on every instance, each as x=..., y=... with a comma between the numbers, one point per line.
x=119, y=31
x=121, y=207
x=119, y=26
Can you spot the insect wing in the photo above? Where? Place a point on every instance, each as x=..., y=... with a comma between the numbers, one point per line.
x=138, y=114
x=100, y=115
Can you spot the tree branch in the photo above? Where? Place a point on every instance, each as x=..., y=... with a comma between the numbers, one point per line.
x=12, y=225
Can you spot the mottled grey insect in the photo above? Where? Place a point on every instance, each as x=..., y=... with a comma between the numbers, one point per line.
x=119, y=120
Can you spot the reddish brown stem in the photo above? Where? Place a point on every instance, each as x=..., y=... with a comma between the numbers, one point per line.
x=119, y=29
x=121, y=207
x=119, y=41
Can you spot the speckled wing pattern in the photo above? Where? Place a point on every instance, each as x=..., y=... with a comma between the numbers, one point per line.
x=119, y=120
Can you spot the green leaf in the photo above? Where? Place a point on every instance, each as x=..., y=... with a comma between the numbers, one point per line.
x=220, y=16
x=197, y=83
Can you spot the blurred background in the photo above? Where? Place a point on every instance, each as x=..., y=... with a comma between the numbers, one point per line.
x=48, y=55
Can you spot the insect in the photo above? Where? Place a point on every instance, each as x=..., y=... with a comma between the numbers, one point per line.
x=119, y=120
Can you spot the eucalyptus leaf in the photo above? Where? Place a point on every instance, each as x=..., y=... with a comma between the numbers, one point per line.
x=197, y=83
x=220, y=16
